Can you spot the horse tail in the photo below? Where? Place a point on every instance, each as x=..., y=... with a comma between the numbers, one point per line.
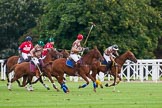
x=5, y=61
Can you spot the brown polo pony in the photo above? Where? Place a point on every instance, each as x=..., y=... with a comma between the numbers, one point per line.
x=64, y=54
x=55, y=55
x=10, y=62
x=23, y=69
x=59, y=67
x=115, y=69
x=46, y=69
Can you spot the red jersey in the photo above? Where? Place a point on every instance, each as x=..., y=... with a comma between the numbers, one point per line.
x=47, y=46
x=25, y=47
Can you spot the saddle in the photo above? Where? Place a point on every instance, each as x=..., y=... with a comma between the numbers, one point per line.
x=21, y=59
x=108, y=64
x=104, y=62
x=70, y=62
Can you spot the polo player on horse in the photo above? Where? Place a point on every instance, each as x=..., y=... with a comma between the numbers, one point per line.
x=75, y=50
x=109, y=54
x=24, y=50
x=36, y=54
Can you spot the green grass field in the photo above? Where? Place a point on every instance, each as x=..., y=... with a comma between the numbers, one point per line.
x=131, y=95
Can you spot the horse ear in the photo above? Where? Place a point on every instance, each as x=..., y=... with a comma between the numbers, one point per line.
x=59, y=50
x=95, y=47
x=68, y=51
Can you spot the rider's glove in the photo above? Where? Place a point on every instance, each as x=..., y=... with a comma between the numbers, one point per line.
x=86, y=48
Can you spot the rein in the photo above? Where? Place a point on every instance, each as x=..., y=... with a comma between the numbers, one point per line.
x=120, y=59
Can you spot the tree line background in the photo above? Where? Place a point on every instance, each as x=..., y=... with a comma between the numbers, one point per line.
x=134, y=25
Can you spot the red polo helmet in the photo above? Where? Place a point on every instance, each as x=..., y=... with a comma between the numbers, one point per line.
x=80, y=37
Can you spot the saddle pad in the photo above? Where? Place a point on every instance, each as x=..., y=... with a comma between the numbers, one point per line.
x=104, y=62
x=32, y=67
x=70, y=63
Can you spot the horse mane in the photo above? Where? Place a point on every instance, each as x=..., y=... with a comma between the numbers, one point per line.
x=65, y=53
x=50, y=55
x=123, y=57
x=90, y=55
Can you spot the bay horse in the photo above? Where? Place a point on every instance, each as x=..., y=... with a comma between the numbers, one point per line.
x=55, y=55
x=115, y=69
x=23, y=70
x=59, y=68
x=64, y=54
x=10, y=62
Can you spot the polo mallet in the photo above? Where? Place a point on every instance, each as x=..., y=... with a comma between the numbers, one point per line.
x=39, y=70
x=89, y=33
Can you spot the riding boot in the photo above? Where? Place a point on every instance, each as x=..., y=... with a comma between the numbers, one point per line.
x=77, y=66
x=109, y=64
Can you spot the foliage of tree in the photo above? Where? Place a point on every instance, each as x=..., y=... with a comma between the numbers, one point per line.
x=17, y=16
x=157, y=5
x=132, y=24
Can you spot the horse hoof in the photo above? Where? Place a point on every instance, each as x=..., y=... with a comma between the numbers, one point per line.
x=106, y=85
x=48, y=88
x=57, y=90
x=113, y=91
x=79, y=87
x=67, y=91
x=94, y=90
x=101, y=86
x=9, y=89
x=30, y=89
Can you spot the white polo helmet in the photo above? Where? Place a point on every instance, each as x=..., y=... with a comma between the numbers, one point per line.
x=115, y=47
